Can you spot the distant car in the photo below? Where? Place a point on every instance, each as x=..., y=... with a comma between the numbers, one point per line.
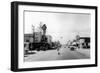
x=73, y=46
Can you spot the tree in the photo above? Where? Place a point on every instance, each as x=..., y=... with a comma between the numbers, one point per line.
x=44, y=27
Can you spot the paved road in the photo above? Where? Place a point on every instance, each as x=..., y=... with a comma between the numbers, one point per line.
x=65, y=54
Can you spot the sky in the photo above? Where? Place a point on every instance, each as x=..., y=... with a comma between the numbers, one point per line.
x=61, y=26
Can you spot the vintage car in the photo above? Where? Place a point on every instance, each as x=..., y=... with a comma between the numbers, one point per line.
x=73, y=46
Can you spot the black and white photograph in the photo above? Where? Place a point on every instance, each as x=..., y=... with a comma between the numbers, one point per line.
x=52, y=36
x=56, y=36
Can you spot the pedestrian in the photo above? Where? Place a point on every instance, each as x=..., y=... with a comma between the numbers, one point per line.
x=58, y=48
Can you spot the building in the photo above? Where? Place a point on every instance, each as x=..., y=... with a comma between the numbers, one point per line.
x=33, y=38
x=37, y=37
x=85, y=42
x=27, y=37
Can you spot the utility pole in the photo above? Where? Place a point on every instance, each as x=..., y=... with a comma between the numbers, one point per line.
x=33, y=32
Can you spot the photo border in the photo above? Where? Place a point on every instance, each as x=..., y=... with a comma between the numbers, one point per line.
x=14, y=35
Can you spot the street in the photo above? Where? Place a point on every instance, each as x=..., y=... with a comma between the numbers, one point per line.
x=65, y=54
